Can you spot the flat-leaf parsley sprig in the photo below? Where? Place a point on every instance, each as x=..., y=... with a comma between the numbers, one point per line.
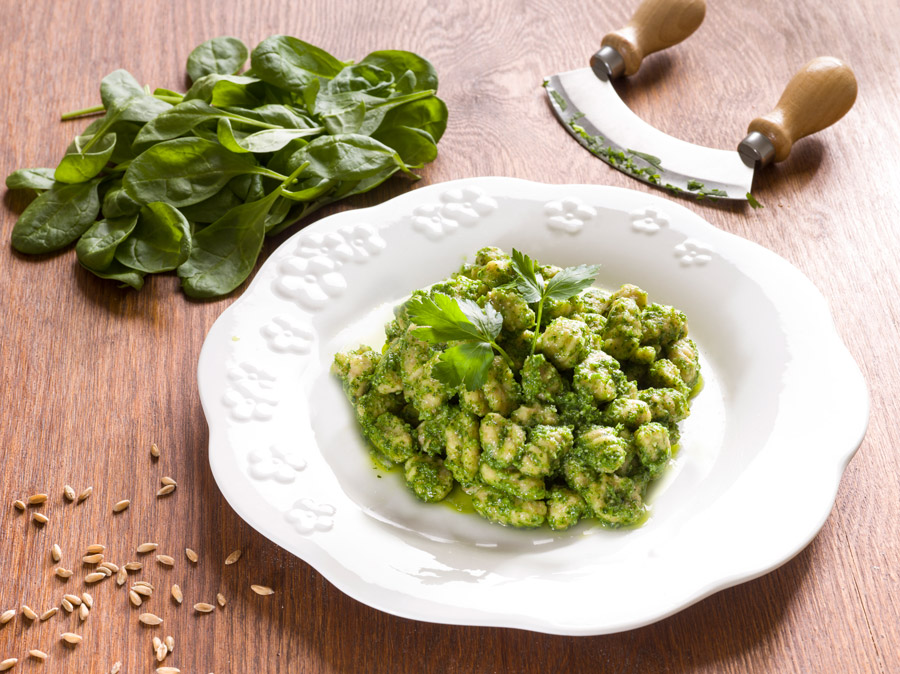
x=530, y=284
x=444, y=319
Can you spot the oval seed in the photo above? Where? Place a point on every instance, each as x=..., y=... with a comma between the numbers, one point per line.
x=83, y=612
x=233, y=557
x=150, y=619
x=146, y=547
x=63, y=573
x=165, y=491
x=156, y=642
x=67, y=605
x=69, y=493
x=95, y=548
x=49, y=613
x=85, y=494
x=121, y=576
x=40, y=655
x=55, y=553
x=94, y=577
x=74, y=599
x=88, y=599
x=19, y=505
x=92, y=559
x=168, y=670
x=204, y=608
x=191, y=555
x=161, y=652
x=113, y=568
x=154, y=450
x=40, y=518
x=36, y=499
x=170, y=643
x=168, y=481
x=71, y=637
x=165, y=559
x=8, y=664
x=133, y=566
x=142, y=590
x=116, y=667
x=262, y=589
x=135, y=598
x=221, y=599
x=121, y=505
x=177, y=595
x=28, y=612
x=6, y=616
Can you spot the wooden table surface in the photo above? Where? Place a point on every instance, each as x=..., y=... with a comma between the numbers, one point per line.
x=92, y=374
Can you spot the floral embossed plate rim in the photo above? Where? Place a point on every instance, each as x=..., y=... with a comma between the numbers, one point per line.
x=285, y=452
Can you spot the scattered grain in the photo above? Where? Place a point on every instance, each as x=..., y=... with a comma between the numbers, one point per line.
x=63, y=573
x=150, y=619
x=168, y=670
x=221, y=599
x=40, y=518
x=9, y=663
x=133, y=566
x=142, y=590
x=67, y=605
x=6, y=616
x=135, y=598
x=154, y=450
x=191, y=555
x=70, y=637
x=177, y=595
x=144, y=583
x=83, y=612
x=165, y=559
x=161, y=652
x=36, y=499
x=170, y=643
x=165, y=491
x=94, y=577
x=49, y=613
x=92, y=559
x=28, y=612
x=233, y=557
x=88, y=599
x=112, y=568
x=40, y=655
x=262, y=589
x=115, y=668
x=19, y=505
x=69, y=493
x=121, y=576
x=168, y=481
x=204, y=608
x=94, y=548
x=121, y=505
x=55, y=553
x=146, y=547
x=74, y=599
x=83, y=496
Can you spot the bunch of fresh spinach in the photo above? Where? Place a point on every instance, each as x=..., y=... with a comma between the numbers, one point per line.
x=193, y=182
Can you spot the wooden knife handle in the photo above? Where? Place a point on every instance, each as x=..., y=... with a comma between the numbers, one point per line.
x=816, y=97
x=656, y=24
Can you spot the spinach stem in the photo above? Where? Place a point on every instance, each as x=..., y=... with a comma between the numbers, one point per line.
x=263, y=171
x=81, y=113
x=251, y=122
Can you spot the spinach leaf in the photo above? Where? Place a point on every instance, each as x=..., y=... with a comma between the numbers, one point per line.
x=345, y=157
x=224, y=253
x=227, y=90
x=57, y=217
x=117, y=203
x=214, y=207
x=117, y=271
x=182, y=118
x=267, y=140
x=184, y=171
x=79, y=166
x=97, y=246
x=36, y=179
x=160, y=242
x=219, y=56
x=399, y=63
x=289, y=63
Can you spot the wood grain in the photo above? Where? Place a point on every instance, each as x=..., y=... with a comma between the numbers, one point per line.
x=91, y=374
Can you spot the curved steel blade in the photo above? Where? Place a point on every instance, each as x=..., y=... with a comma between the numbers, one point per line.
x=591, y=110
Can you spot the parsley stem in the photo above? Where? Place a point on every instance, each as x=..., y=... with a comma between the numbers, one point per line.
x=509, y=361
x=537, y=326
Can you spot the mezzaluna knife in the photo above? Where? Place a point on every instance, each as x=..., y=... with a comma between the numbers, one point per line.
x=587, y=105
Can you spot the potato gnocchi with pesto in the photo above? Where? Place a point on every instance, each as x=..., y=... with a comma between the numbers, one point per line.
x=567, y=409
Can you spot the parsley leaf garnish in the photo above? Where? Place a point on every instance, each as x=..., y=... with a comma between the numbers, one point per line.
x=441, y=319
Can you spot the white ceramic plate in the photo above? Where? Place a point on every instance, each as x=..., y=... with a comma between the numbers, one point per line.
x=783, y=410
